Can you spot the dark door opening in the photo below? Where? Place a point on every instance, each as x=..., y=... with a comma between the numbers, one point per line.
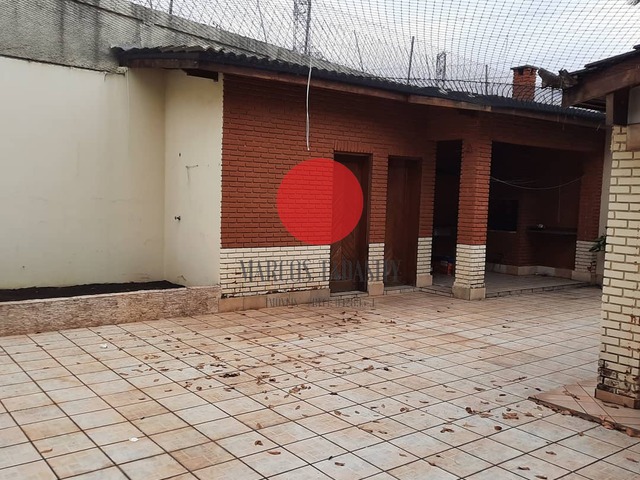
x=349, y=255
x=445, y=213
x=403, y=214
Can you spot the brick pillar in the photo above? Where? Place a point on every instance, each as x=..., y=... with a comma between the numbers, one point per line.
x=425, y=232
x=619, y=365
x=472, y=218
x=588, y=218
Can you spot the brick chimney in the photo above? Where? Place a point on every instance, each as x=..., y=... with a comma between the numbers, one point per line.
x=524, y=82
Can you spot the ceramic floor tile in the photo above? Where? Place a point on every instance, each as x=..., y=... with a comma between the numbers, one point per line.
x=127, y=450
x=11, y=436
x=563, y=457
x=158, y=467
x=385, y=456
x=273, y=461
x=490, y=450
x=315, y=449
x=246, y=444
x=80, y=462
x=233, y=469
x=347, y=467
x=18, y=454
x=201, y=456
x=63, y=444
x=179, y=439
x=408, y=379
x=421, y=470
x=33, y=471
x=458, y=462
x=307, y=473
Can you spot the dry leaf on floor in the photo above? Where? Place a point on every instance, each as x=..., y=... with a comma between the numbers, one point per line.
x=446, y=430
x=524, y=468
x=274, y=452
x=510, y=416
x=550, y=453
x=340, y=464
x=258, y=442
x=632, y=460
x=497, y=428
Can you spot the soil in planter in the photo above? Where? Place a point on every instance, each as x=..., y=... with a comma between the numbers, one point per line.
x=37, y=293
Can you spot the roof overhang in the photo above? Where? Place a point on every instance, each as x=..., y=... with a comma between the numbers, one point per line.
x=208, y=63
x=605, y=85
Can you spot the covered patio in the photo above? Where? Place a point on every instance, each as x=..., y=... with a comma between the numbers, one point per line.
x=514, y=197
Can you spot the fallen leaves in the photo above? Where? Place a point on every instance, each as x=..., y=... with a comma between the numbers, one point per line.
x=274, y=452
x=510, y=415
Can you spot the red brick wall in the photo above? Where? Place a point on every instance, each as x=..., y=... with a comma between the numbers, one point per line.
x=474, y=190
x=264, y=136
x=590, y=198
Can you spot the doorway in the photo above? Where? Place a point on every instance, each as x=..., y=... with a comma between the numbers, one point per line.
x=403, y=215
x=349, y=255
x=445, y=212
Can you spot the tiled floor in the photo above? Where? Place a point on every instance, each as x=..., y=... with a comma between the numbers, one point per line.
x=414, y=387
x=500, y=284
x=579, y=399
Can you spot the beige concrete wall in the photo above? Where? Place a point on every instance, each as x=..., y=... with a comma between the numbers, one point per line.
x=619, y=369
x=193, y=137
x=82, y=182
x=95, y=168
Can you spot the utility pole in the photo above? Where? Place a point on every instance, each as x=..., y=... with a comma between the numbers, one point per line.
x=301, y=26
x=441, y=66
x=413, y=40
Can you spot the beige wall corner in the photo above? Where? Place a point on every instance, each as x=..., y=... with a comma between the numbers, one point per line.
x=193, y=164
x=375, y=289
x=83, y=177
x=469, y=293
x=424, y=280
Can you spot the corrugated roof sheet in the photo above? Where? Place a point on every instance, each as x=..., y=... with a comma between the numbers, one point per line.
x=255, y=54
x=607, y=62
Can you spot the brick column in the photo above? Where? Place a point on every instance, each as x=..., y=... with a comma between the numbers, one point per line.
x=588, y=218
x=472, y=218
x=425, y=231
x=619, y=365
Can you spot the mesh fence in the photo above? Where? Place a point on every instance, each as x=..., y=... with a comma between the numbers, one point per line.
x=455, y=45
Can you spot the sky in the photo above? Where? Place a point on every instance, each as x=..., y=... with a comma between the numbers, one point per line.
x=479, y=37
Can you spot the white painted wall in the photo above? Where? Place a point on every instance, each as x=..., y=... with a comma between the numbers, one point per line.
x=83, y=187
x=193, y=138
x=82, y=177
